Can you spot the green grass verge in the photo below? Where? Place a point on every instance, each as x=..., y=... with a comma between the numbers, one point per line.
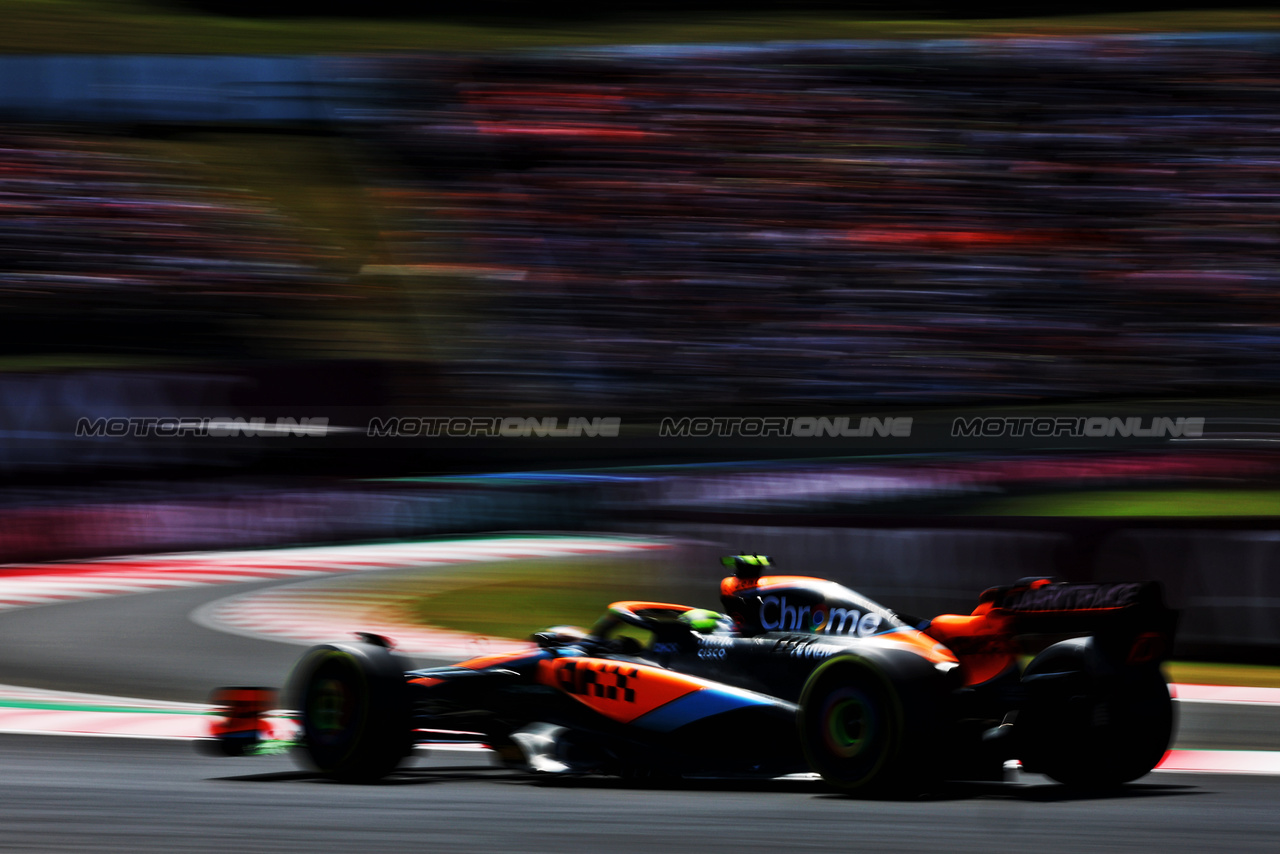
x=516, y=598
x=1184, y=502
x=1209, y=673
x=134, y=26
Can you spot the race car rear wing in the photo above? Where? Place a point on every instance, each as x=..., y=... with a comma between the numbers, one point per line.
x=1129, y=619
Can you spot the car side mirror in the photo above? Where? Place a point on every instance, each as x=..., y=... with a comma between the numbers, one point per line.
x=558, y=636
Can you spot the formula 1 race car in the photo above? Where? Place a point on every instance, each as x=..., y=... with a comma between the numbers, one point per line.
x=797, y=675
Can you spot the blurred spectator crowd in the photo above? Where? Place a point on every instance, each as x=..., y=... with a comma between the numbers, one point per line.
x=928, y=222
x=97, y=236
x=989, y=220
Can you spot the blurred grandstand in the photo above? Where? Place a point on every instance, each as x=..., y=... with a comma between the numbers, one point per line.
x=984, y=220
x=114, y=254
x=939, y=221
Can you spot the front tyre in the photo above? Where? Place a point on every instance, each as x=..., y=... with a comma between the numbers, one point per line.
x=356, y=718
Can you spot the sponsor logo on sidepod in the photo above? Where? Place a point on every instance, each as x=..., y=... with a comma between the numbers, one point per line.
x=776, y=614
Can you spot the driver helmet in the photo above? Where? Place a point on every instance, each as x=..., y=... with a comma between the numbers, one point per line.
x=705, y=622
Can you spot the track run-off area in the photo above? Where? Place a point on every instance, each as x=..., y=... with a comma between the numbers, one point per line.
x=124, y=652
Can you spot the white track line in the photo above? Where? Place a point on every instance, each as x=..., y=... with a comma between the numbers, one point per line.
x=1227, y=694
x=1222, y=761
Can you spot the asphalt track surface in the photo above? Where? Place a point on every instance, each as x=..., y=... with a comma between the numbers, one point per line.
x=98, y=794
x=137, y=646
x=70, y=794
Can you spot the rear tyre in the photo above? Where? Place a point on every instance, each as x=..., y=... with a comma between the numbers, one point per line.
x=1090, y=725
x=860, y=728
x=356, y=719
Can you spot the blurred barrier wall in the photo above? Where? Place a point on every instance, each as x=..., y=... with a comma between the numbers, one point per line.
x=273, y=518
x=36, y=409
x=171, y=88
x=1226, y=582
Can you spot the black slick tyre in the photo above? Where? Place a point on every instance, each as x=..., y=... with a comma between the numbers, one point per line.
x=354, y=703
x=859, y=730
x=1090, y=725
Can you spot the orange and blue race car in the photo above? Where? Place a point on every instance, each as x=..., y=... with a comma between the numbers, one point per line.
x=796, y=675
